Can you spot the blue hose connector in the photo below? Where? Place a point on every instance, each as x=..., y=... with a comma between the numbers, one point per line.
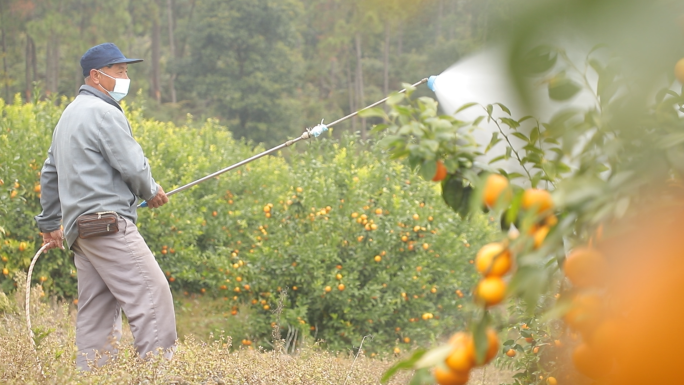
x=142, y=205
x=431, y=82
x=318, y=130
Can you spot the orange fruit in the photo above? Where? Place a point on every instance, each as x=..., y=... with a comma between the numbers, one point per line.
x=551, y=381
x=5, y=271
x=377, y=258
x=493, y=260
x=340, y=287
x=492, y=344
x=590, y=363
x=494, y=186
x=449, y=377
x=22, y=246
x=462, y=357
x=440, y=173
x=605, y=339
x=511, y=353
x=679, y=70
x=539, y=236
x=537, y=199
x=585, y=267
x=36, y=188
x=328, y=289
x=585, y=313
x=338, y=276
x=491, y=290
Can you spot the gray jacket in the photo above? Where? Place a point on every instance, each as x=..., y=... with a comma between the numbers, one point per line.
x=94, y=164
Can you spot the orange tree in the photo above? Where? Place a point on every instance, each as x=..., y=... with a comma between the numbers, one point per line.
x=595, y=175
x=361, y=244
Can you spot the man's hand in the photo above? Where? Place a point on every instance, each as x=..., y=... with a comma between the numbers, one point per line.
x=53, y=239
x=159, y=200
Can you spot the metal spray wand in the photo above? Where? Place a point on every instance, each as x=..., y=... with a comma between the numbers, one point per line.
x=310, y=132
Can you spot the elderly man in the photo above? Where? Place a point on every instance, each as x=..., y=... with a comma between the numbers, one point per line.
x=95, y=166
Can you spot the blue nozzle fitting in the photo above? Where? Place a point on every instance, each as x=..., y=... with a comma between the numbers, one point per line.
x=319, y=129
x=142, y=205
x=431, y=82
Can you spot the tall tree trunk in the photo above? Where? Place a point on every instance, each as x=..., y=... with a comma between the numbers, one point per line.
x=185, y=36
x=52, y=64
x=156, y=32
x=56, y=53
x=452, y=24
x=4, y=54
x=351, y=83
x=172, y=50
x=359, y=83
x=438, y=25
x=333, y=77
x=385, y=59
x=28, y=55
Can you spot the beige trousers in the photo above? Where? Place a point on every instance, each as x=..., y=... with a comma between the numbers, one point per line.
x=115, y=272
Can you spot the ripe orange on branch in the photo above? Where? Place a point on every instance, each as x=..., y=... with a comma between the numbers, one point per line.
x=590, y=363
x=491, y=290
x=449, y=377
x=462, y=357
x=537, y=199
x=585, y=267
x=494, y=186
x=440, y=173
x=679, y=70
x=493, y=260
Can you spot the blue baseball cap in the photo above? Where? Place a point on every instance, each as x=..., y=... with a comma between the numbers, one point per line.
x=103, y=55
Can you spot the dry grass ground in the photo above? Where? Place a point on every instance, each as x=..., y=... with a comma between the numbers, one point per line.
x=195, y=361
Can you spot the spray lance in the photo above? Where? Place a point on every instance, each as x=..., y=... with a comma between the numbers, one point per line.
x=309, y=133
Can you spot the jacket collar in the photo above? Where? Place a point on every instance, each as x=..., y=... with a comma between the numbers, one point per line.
x=88, y=90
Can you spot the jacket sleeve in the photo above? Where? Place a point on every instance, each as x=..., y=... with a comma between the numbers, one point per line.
x=50, y=218
x=125, y=155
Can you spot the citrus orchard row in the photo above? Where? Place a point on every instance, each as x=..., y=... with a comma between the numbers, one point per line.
x=361, y=245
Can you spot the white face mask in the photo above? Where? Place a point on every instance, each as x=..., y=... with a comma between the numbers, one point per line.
x=120, y=87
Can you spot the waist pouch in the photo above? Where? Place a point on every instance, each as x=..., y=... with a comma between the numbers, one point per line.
x=98, y=224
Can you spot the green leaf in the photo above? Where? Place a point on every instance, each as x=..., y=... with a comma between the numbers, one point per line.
x=434, y=356
x=465, y=107
x=495, y=139
x=521, y=136
x=428, y=169
x=478, y=120
x=406, y=364
x=539, y=60
x=422, y=377
x=456, y=194
x=504, y=108
x=510, y=122
x=480, y=338
x=562, y=88
x=395, y=98
x=375, y=112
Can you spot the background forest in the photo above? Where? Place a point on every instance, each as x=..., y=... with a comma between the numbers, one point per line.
x=253, y=64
